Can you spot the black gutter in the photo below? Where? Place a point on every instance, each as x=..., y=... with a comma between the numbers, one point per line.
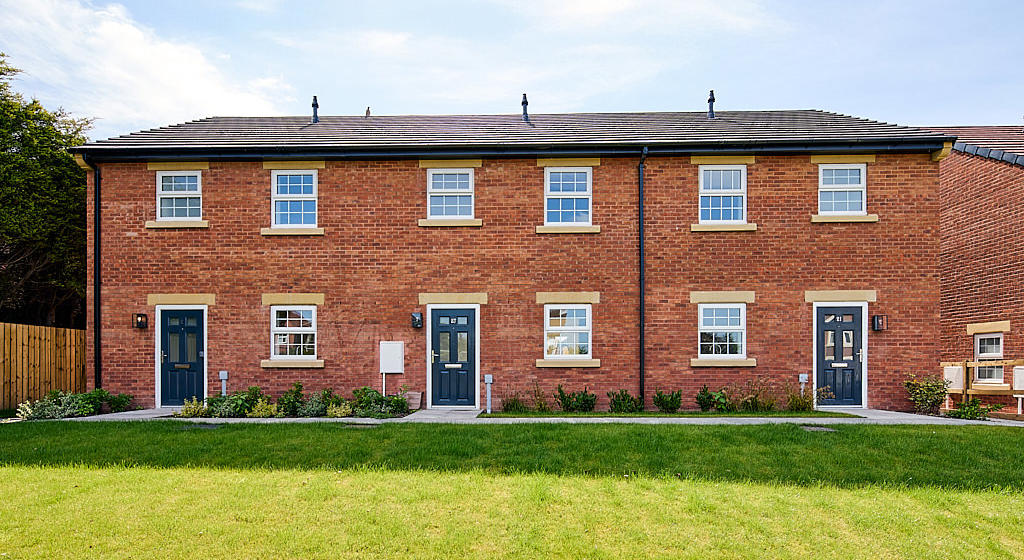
x=124, y=154
x=643, y=280
x=97, y=348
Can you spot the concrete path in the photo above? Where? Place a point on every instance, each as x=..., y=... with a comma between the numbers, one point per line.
x=438, y=416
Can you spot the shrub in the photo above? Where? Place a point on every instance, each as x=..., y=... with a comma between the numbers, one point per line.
x=973, y=410
x=119, y=402
x=540, y=400
x=623, y=402
x=92, y=402
x=395, y=405
x=758, y=394
x=263, y=409
x=339, y=409
x=927, y=394
x=317, y=404
x=250, y=397
x=723, y=400
x=368, y=403
x=288, y=403
x=670, y=402
x=705, y=399
x=513, y=403
x=582, y=401
x=797, y=401
x=193, y=408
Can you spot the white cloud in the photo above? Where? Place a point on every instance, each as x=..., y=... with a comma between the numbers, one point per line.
x=650, y=16
x=97, y=61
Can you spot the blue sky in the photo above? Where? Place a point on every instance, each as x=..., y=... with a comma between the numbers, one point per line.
x=136, y=65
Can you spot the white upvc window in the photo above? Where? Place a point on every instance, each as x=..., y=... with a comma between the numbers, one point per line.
x=450, y=193
x=723, y=194
x=293, y=332
x=567, y=330
x=722, y=330
x=293, y=199
x=842, y=189
x=567, y=196
x=988, y=346
x=179, y=195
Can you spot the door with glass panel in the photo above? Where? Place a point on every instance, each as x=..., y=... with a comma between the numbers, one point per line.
x=182, y=367
x=453, y=357
x=840, y=355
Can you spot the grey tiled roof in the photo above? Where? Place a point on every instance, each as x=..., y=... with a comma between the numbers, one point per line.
x=469, y=132
x=1003, y=143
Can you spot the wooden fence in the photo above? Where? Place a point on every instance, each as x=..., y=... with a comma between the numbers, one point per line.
x=36, y=360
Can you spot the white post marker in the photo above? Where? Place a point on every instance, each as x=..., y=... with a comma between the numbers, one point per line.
x=223, y=382
x=488, y=380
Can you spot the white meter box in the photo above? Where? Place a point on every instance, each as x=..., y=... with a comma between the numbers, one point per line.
x=392, y=356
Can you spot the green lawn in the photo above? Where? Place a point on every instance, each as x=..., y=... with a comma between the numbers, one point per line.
x=680, y=414
x=175, y=490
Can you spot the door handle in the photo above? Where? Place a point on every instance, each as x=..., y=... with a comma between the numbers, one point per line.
x=433, y=356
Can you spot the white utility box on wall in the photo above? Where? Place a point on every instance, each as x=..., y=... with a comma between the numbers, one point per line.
x=955, y=376
x=1018, y=379
x=392, y=356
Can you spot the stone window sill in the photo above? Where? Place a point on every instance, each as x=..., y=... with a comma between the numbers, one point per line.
x=292, y=363
x=568, y=229
x=838, y=219
x=291, y=231
x=168, y=224
x=464, y=222
x=707, y=362
x=569, y=363
x=723, y=227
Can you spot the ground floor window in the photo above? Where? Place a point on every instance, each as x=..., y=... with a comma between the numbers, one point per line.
x=723, y=329
x=567, y=331
x=989, y=346
x=293, y=332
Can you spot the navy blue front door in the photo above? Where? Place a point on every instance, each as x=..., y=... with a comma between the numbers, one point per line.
x=182, y=367
x=840, y=353
x=453, y=357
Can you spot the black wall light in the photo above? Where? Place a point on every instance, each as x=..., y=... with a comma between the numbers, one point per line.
x=879, y=322
x=417, y=320
x=140, y=321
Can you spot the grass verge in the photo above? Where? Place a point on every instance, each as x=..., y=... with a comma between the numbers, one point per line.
x=962, y=457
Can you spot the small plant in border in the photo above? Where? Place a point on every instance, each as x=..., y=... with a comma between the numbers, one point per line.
x=582, y=401
x=670, y=402
x=623, y=402
x=705, y=399
x=973, y=410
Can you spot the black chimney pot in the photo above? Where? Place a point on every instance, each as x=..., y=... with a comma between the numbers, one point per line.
x=316, y=106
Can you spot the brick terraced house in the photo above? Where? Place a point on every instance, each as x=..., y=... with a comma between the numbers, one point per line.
x=982, y=183
x=636, y=251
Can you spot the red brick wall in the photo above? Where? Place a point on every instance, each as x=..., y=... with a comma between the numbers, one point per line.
x=374, y=260
x=982, y=251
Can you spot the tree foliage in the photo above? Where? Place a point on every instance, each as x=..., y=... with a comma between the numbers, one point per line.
x=42, y=210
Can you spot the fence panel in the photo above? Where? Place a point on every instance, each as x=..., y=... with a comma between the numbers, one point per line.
x=36, y=360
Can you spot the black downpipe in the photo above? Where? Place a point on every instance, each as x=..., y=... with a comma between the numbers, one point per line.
x=97, y=348
x=643, y=282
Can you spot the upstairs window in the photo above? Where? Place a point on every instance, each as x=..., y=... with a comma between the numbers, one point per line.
x=450, y=193
x=841, y=189
x=988, y=346
x=567, y=331
x=723, y=194
x=293, y=332
x=179, y=195
x=294, y=199
x=722, y=330
x=567, y=195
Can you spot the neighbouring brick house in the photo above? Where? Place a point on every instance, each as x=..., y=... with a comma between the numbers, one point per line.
x=283, y=250
x=982, y=183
